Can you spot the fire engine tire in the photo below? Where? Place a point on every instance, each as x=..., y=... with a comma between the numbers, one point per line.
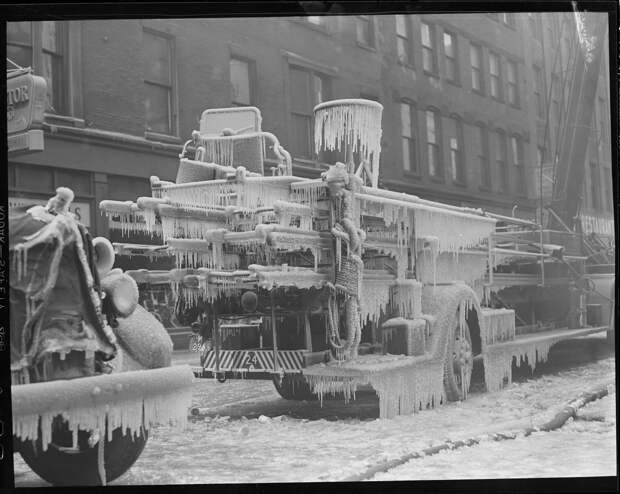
x=294, y=387
x=458, y=357
x=78, y=468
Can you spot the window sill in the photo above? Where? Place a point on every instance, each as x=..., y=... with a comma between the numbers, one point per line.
x=436, y=179
x=459, y=183
x=497, y=99
x=366, y=47
x=411, y=174
x=478, y=92
x=431, y=74
x=314, y=27
x=155, y=136
x=515, y=106
x=53, y=119
x=485, y=188
x=406, y=65
x=453, y=83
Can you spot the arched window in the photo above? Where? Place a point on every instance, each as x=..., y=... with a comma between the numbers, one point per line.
x=433, y=140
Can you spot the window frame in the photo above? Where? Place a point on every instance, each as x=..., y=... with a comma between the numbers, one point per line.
x=458, y=173
x=372, y=41
x=513, y=86
x=432, y=49
x=517, y=152
x=497, y=77
x=172, y=88
x=539, y=93
x=484, y=161
x=477, y=70
x=251, y=79
x=453, y=60
x=407, y=41
x=501, y=159
x=309, y=115
x=63, y=98
x=435, y=145
x=595, y=186
x=412, y=139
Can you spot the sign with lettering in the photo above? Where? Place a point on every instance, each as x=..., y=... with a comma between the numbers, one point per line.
x=25, y=101
x=81, y=210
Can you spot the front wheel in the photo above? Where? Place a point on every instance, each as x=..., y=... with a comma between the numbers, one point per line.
x=458, y=365
x=61, y=464
x=293, y=387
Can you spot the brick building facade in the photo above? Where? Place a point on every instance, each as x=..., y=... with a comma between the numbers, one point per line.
x=467, y=116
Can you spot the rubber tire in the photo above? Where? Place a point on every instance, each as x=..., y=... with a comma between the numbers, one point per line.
x=62, y=468
x=294, y=387
x=451, y=386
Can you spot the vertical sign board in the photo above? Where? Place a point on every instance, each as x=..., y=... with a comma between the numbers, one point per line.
x=25, y=104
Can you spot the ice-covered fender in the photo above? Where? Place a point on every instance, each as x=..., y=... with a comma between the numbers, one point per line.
x=144, y=339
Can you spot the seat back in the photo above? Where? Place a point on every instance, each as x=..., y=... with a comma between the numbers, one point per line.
x=247, y=151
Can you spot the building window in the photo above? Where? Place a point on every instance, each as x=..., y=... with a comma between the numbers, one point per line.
x=483, y=156
x=595, y=186
x=158, y=83
x=540, y=156
x=609, y=200
x=433, y=138
x=365, y=30
x=450, y=50
x=429, y=58
x=500, y=159
x=516, y=146
x=403, y=40
x=308, y=89
x=602, y=119
x=535, y=25
x=455, y=139
x=496, y=76
x=317, y=20
x=513, y=83
x=408, y=137
x=539, y=96
x=241, y=82
x=42, y=46
x=508, y=19
x=475, y=56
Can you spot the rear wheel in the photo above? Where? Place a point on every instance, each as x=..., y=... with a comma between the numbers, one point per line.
x=458, y=365
x=293, y=387
x=61, y=464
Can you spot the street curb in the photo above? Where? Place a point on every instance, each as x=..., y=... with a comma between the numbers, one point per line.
x=569, y=411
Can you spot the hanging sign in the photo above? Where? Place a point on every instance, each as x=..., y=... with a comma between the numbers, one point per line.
x=25, y=105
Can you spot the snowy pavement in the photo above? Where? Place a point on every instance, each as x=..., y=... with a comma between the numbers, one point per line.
x=247, y=433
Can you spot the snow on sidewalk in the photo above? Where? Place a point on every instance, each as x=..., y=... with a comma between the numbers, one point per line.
x=282, y=448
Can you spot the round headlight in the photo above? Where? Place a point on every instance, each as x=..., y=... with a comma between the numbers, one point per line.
x=122, y=291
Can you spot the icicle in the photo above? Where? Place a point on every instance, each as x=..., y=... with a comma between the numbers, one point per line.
x=406, y=296
x=454, y=232
x=374, y=298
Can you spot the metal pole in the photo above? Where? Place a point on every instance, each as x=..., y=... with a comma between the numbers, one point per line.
x=273, y=332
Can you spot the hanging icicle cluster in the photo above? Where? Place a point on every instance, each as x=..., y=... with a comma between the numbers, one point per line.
x=406, y=297
x=374, y=298
x=309, y=192
x=497, y=325
x=135, y=404
x=454, y=232
x=451, y=266
x=350, y=122
x=498, y=360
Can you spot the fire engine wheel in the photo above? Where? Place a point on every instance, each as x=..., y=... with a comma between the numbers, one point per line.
x=293, y=387
x=458, y=365
x=61, y=464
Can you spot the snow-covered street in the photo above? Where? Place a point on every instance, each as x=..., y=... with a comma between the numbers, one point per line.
x=246, y=433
